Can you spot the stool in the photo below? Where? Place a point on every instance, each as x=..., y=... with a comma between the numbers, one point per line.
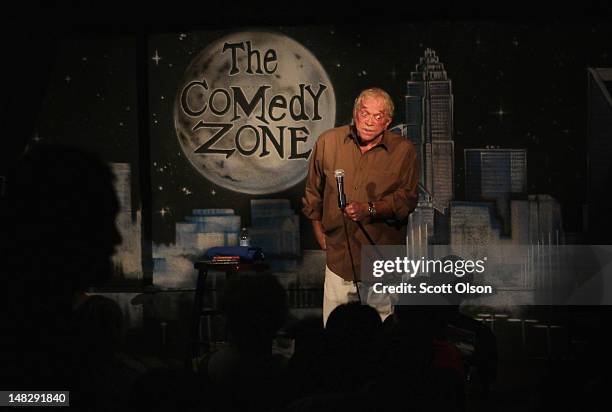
x=230, y=269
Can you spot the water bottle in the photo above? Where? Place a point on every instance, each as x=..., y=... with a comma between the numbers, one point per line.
x=244, y=237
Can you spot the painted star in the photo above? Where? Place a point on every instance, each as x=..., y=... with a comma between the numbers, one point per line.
x=156, y=58
x=67, y=78
x=500, y=112
x=212, y=192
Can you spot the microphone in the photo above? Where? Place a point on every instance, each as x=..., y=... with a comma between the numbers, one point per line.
x=339, y=174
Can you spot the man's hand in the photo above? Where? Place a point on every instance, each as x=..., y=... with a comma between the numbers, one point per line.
x=357, y=211
x=319, y=235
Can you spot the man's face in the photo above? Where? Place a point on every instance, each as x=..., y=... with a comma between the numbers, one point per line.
x=371, y=118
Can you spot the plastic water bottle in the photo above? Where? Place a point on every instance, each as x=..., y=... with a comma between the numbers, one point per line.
x=244, y=237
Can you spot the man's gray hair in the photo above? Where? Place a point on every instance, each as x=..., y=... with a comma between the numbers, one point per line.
x=376, y=92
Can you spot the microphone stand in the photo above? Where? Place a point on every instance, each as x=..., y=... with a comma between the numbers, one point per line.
x=348, y=245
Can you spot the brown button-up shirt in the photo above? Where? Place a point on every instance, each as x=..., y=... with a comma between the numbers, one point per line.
x=387, y=173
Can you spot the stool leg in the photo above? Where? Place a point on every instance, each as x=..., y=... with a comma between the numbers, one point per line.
x=198, y=300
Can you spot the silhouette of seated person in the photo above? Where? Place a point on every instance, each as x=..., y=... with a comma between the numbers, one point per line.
x=352, y=340
x=342, y=375
x=484, y=356
x=411, y=362
x=63, y=205
x=417, y=345
x=366, y=367
x=346, y=361
x=246, y=375
x=437, y=322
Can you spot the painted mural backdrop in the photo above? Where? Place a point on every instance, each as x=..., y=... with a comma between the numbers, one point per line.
x=497, y=113
x=503, y=117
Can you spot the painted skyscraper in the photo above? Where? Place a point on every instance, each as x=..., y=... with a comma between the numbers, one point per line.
x=429, y=124
x=496, y=175
x=128, y=258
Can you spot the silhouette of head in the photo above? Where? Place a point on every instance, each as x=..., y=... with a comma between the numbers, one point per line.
x=64, y=206
x=352, y=322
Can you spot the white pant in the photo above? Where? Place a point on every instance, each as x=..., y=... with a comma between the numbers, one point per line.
x=338, y=291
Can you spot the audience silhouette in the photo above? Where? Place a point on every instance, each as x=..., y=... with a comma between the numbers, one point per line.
x=63, y=207
x=245, y=375
x=62, y=204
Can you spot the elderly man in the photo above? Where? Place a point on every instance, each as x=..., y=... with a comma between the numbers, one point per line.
x=381, y=177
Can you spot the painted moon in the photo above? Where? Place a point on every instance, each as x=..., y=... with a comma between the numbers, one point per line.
x=249, y=110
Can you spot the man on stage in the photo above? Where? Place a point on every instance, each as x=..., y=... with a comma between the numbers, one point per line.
x=380, y=183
